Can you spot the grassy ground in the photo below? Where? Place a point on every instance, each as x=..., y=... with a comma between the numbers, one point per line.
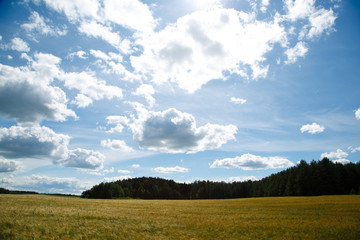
x=52, y=217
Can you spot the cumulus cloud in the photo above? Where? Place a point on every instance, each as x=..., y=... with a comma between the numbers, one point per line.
x=95, y=19
x=342, y=161
x=294, y=53
x=252, y=162
x=241, y=179
x=8, y=165
x=238, y=100
x=357, y=114
x=146, y=90
x=117, y=145
x=82, y=101
x=135, y=165
x=75, y=10
x=132, y=14
x=41, y=183
x=176, y=169
x=90, y=86
x=319, y=20
x=312, y=128
x=6, y=181
x=27, y=94
x=112, y=63
x=333, y=155
x=118, y=121
x=172, y=131
x=210, y=43
x=82, y=158
x=19, y=45
x=32, y=142
x=38, y=25
x=205, y=45
x=299, y=9
x=22, y=142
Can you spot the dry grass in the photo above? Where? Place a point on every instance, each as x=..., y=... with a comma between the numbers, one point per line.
x=51, y=217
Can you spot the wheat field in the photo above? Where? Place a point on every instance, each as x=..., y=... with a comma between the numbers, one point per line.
x=55, y=217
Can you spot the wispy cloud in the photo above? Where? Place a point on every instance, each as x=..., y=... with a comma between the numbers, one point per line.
x=176, y=169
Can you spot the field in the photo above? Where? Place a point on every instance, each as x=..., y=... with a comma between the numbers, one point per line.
x=54, y=217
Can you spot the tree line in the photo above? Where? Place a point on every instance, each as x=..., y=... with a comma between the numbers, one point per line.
x=317, y=178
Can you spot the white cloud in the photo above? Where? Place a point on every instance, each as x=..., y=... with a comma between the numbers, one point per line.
x=332, y=155
x=82, y=101
x=75, y=9
x=211, y=43
x=6, y=181
x=205, y=45
x=113, y=64
x=252, y=162
x=27, y=94
x=135, y=165
x=96, y=30
x=99, y=54
x=264, y=5
x=299, y=9
x=357, y=114
x=342, y=161
x=82, y=158
x=117, y=145
x=353, y=150
x=203, y=4
x=38, y=25
x=172, y=131
x=33, y=97
x=118, y=178
x=8, y=165
x=119, y=121
x=237, y=100
x=32, y=142
x=107, y=171
x=47, y=184
x=24, y=142
x=146, y=90
x=19, y=45
x=124, y=171
x=320, y=21
x=241, y=179
x=176, y=169
x=312, y=128
x=80, y=54
x=131, y=14
x=294, y=53
x=88, y=85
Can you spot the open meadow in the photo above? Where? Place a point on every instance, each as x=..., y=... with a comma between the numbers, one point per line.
x=55, y=217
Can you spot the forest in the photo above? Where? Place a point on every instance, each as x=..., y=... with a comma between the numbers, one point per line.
x=316, y=178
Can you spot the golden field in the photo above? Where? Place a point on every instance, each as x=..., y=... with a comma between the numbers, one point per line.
x=54, y=217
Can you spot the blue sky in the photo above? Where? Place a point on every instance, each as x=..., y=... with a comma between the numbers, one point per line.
x=230, y=90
